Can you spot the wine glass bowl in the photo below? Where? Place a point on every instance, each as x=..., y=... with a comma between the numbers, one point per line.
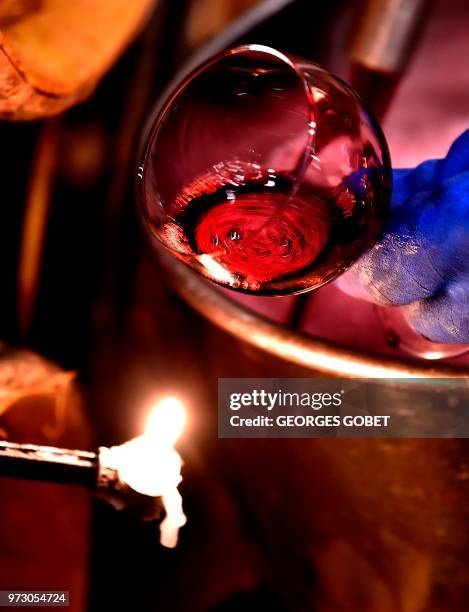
x=265, y=173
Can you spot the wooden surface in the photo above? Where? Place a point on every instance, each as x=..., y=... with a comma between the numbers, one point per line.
x=53, y=52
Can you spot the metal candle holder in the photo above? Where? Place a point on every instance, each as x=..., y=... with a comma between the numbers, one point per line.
x=76, y=467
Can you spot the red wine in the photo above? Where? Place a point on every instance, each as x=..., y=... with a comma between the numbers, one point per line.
x=256, y=231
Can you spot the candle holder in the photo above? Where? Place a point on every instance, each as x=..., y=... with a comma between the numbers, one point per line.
x=78, y=468
x=141, y=475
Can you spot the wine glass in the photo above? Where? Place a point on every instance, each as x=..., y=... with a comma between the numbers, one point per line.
x=265, y=173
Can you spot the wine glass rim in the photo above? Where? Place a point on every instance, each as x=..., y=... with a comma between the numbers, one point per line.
x=287, y=59
x=241, y=49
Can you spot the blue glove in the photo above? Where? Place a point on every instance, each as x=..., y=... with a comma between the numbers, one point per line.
x=422, y=259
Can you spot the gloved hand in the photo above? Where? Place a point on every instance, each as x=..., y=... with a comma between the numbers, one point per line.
x=422, y=259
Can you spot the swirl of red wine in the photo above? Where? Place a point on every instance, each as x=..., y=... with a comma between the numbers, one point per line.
x=264, y=236
x=247, y=226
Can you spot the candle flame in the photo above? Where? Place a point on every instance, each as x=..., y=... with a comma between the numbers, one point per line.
x=150, y=465
x=166, y=421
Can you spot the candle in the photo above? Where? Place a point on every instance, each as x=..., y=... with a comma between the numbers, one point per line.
x=150, y=465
